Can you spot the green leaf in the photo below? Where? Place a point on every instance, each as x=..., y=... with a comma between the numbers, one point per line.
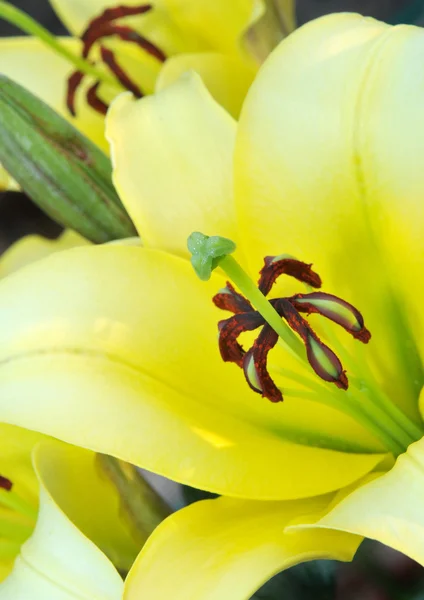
x=63, y=172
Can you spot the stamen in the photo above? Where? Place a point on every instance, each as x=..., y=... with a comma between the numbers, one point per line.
x=5, y=483
x=279, y=265
x=229, y=331
x=108, y=58
x=117, y=12
x=321, y=358
x=255, y=365
x=337, y=310
x=94, y=101
x=74, y=81
x=99, y=28
x=229, y=299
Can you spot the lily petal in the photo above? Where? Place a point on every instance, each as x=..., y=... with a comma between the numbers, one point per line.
x=225, y=549
x=34, y=247
x=324, y=140
x=389, y=508
x=29, y=62
x=172, y=155
x=220, y=23
x=58, y=562
x=226, y=78
x=125, y=334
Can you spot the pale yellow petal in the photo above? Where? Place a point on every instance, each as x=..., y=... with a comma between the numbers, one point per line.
x=172, y=155
x=128, y=337
x=44, y=73
x=58, y=562
x=35, y=247
x=389, y=508
x=226, y=549
x=227, y=78
x=220, y=24
x=317, y=145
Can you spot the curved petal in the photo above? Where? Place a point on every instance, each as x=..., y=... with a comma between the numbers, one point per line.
x=226, y=78
x=58, y=562
x=172, y=155
x=126, y=335
x=35, y=247
x=44, y=73
x=225, y=549
x=220, y=24
x=325, y=172
x=389, y=508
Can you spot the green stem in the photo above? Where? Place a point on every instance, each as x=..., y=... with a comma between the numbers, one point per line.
x=242, y=280
x=24, y=22
x=144, y=507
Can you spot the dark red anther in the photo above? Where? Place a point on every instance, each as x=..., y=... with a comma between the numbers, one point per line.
x=229, y=299
x=109, y=59
x=275, y=266
x=94, y=101
x=337, y=310
x=255, y=365
x=117, y=12
x=99, y=28
x=73, y=84
x=321, y=358
x=230, y=330
x=5, y=483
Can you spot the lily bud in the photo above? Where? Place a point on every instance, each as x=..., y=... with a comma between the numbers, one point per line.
x=63, y=172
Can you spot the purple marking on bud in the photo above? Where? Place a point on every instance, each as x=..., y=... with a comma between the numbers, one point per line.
x=229, y=331
x=321, y=358
x=275, y=266
x=255, y=365
x=337, y=310
x=229, y=299
x=5, y=483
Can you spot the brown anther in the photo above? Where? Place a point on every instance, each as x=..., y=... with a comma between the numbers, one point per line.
x=109, y=59
x=337, y=310
x=5, y=483
x=321, y=358
x=230, y=330
x=256, y=358
x=102, y=27
x=74, y=82
x=94, y=101
x=229, y=299
x=275, y=266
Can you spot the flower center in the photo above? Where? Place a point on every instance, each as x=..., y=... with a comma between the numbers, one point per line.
x=105, y=26
x=282, y=318
x=322, y=359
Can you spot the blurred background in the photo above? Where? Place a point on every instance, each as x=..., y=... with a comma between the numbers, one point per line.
x=377, y=573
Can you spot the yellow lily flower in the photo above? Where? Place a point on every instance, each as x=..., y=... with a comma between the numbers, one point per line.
x=79, y=522
x=322, y=165
x=140, y=47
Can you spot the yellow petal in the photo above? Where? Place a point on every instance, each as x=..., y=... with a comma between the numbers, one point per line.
x=389, y=508
x=30, y=63
x=128, y=337
x=35, y=247
x=225, y=549
x=219, y=24
x=58, y=562
x=327, y=135
x=172, y=155
x=226, y=78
